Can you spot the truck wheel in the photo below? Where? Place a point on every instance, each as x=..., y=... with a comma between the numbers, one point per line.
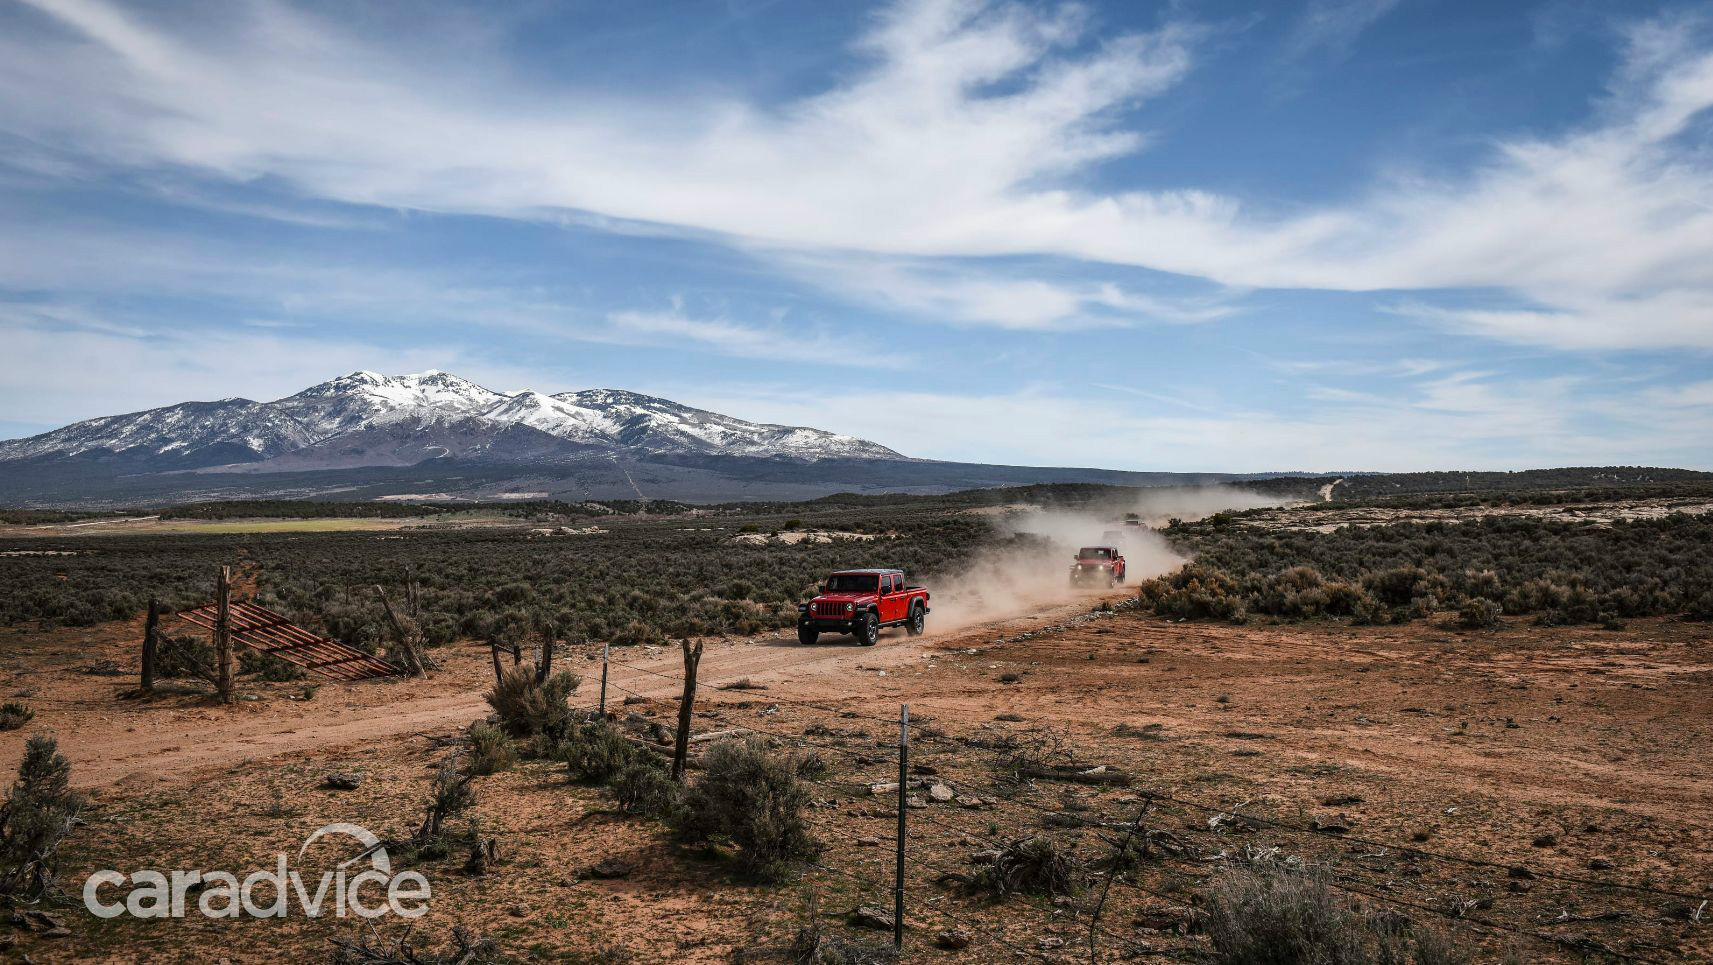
x=1111, y=581
x=867, y=629
x=808, y=635
x=918, y=620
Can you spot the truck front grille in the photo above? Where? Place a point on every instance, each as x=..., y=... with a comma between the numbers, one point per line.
x=824, y=609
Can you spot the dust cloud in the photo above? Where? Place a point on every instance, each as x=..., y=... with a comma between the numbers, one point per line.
x=1029, y=569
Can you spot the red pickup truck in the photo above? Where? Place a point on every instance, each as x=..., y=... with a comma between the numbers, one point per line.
x=1098, y=564
x=860, y=603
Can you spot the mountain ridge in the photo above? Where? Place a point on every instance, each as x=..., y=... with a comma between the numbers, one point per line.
x=339, y=415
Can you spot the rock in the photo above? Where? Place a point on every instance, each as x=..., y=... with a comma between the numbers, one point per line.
x=926, y=770
x=1518, y=887
x=868, y=916
x=953, y=939
x=915, y=801
x=1332, y=823
x=879, y=789
x=342, y=781
x=968, y=801
x=940, y=793
x=868, y=842
x=519, y=910
x=1518, y=871
x=610, y=867
x=1545, y=840
x=1163, y=920
x=1599, y=864
x=1051, y=941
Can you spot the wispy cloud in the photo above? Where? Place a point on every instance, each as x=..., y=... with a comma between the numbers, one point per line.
x=1330, y=27
x=965, y=135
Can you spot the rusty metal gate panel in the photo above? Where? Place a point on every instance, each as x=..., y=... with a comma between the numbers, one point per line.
x=262, y=629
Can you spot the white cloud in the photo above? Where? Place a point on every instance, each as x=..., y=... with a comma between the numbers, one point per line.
x=1331, y=26
x=1464, y=421
x=967, y=133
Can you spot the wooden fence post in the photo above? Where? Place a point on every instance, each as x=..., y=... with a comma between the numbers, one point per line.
x=604, y=648
x=223, y=634
x=151, y=632
x=903, y=806
x=544, y=667
x=681, y=748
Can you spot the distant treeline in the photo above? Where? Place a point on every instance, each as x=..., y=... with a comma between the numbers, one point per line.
x=1367, y=487
x=1557, y=571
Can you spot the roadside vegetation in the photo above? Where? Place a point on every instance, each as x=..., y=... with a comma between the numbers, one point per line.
x=1558, y=572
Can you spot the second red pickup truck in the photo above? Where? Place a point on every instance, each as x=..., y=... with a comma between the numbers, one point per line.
x=860, y=603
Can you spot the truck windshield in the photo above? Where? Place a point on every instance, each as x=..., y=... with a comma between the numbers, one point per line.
x=852, y=583
x=1094, y=553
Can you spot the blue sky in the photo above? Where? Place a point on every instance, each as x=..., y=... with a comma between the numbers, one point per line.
x=1334, y=234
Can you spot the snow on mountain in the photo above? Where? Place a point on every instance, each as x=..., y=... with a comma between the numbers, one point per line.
x=343, y=404
x=644, y=421
x=364, y=414
x=229, y=428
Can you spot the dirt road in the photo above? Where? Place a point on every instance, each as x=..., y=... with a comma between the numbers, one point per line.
x=178, y=736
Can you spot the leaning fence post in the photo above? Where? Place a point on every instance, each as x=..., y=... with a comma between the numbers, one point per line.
x=606, y=646
x=151, y=631
x=903, y=803
x=1106, y=886
x=681, y=748
x=223, y=634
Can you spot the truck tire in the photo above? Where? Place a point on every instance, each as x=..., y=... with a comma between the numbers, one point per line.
x=918, y=620
x=808, y=635
x=867, y=629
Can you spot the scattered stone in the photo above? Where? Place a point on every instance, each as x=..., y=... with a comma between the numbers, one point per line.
x=953, y=939
x=1163, y=920
x=1599, y=864
x=1545, y=840
x=969, y=801
x=1518, y=871
x=1341, y=800
x=868, y=842
x=882, y=789
x=915, y=801
x=1051, y=941
x=1340, y=823
x=1009, y=718
x=343, y=781
x=1519, y=887
x=925, y=770
x=940, y=793
x=519, y=910
x=612, y=867
x=868, y=916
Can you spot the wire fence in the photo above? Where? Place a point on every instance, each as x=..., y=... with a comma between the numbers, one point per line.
x=1184, y=866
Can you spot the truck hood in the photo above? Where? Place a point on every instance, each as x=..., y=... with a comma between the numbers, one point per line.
x=843, y=598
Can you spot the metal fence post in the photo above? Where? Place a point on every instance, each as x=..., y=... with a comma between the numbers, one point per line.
x=604, y=648
x=903, y=804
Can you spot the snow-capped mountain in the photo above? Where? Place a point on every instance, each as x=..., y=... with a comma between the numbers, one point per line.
x=366, y=419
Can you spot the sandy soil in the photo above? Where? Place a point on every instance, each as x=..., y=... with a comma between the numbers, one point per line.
x=1573, y=751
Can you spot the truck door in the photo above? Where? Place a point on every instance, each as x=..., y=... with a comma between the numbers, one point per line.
x=891, y=599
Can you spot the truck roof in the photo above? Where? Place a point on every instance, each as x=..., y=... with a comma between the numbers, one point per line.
x=877, y=570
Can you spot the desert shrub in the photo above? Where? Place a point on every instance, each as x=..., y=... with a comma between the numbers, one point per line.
x=595, y=751
x=1193, y=593
x=491, y=749
x=450, y=796
x=1479, y=614
x=643, y=787
x=531, y=709
x=1274, y=916
x=1031, y=866
x=39, y=812
x=14, y=715
x=266, y=666
x=754, y=800
x=183, y=657
x=816, y=944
